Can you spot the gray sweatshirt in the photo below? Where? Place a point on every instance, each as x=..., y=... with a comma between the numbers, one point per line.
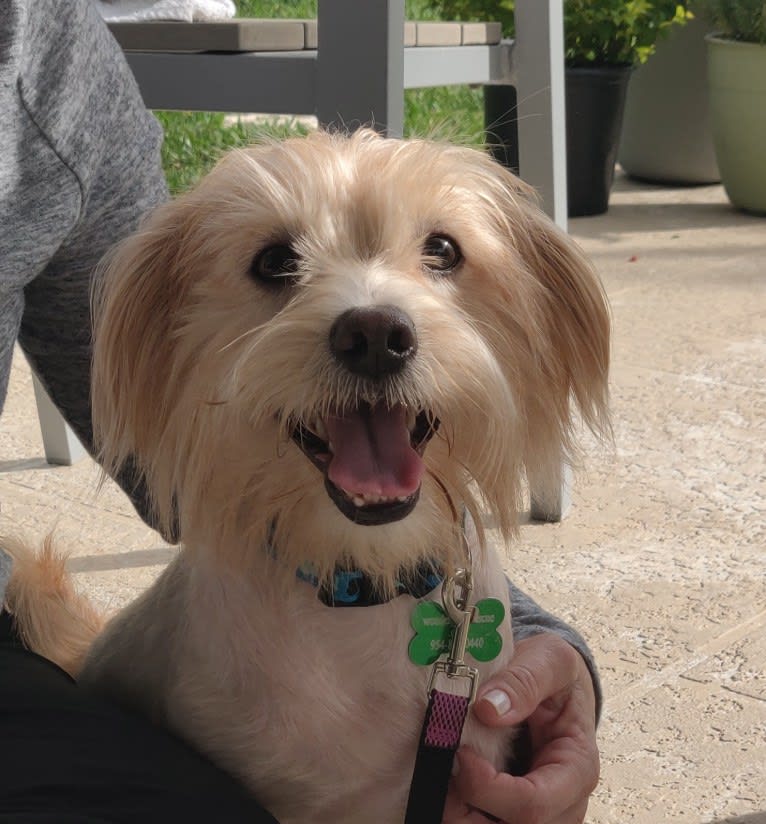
x=79, y=167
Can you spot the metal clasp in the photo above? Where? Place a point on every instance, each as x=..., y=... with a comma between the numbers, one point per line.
x=456, y=591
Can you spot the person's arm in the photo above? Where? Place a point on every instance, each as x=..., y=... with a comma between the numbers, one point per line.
x=85, y=113
x=529, y=618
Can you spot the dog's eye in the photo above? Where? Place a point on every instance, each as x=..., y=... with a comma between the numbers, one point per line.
x=277, y=264
x=441, y=253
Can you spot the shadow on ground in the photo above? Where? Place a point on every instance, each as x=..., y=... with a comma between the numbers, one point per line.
x=25, y=463
x=645, y=207
x=652, y=217
x=753, y=818
x=123, y=560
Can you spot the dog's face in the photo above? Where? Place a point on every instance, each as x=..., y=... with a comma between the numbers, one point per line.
x=340, y=343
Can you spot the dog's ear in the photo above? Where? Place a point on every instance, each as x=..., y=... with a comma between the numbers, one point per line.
x=573, y=368
x=551, y=304
x=138, y=294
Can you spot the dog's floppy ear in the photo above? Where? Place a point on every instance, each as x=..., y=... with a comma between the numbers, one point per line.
x=138, y=292
x=574, y=371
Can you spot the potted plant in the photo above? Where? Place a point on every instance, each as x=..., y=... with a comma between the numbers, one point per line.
x=666, y=131
x=603, y=41
x=737, y=77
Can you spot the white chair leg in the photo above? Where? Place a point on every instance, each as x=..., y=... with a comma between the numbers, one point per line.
x=369, y=36
x=539, y=66
x=554, y=507
x=60, y=443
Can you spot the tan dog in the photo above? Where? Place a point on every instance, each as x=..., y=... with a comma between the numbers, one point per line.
x=321, y=358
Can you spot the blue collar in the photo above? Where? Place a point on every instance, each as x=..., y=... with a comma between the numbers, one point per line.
x=353, y=588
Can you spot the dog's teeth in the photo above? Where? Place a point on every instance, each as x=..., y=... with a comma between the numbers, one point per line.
x=330, y=447
x=320, y=429
x=411, y=418
x=361, y=499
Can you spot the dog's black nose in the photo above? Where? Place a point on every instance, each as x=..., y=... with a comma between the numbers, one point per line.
x=373, y=340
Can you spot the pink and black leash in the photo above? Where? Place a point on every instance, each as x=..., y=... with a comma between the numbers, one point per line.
x=446, y=712
x=439, y=741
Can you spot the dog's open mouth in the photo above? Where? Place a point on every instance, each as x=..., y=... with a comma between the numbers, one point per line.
x=371, y=458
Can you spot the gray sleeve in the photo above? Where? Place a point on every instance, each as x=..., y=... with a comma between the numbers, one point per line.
x=79, y=91
x=5, y=573
x=529, y=619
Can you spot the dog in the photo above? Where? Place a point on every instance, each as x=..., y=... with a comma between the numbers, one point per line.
x=332, y=362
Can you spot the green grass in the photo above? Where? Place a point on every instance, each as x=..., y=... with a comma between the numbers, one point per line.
x=276, y=8
x=195, y=140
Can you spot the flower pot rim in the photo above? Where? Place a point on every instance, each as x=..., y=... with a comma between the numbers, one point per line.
x=719, y=37
x=617, y=68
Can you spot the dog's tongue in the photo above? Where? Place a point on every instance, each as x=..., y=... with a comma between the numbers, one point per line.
x=372, y=454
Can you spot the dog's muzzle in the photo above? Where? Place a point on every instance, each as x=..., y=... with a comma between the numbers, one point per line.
x=371, y=455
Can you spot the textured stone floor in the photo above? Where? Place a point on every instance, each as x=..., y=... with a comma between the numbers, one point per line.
x=662, y=562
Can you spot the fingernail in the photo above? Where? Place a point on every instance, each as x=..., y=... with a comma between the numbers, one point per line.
x=499, y=700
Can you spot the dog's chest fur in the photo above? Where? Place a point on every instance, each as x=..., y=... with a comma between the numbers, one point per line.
x=317, y=709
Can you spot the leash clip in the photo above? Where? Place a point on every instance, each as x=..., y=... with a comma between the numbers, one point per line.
x=446, y=711
x=456, y=591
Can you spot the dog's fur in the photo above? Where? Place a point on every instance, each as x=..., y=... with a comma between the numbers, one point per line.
x=201, y=373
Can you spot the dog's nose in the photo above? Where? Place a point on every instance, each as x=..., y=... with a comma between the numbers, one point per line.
x=373, y=340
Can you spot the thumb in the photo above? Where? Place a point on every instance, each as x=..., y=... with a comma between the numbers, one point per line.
x=544, y=667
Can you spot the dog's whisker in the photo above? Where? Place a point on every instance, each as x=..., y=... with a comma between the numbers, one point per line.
x=447, y=497
x=287, y=494
x=246, y=334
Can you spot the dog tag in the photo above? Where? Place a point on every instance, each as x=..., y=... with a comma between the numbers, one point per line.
x=434, y=632
x=484, y=640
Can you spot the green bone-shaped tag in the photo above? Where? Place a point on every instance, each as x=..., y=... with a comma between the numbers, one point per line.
x=434, y=630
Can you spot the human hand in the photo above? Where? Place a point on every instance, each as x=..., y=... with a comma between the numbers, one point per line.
x=549, y=687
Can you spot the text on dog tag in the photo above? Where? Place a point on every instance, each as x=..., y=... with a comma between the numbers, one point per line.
x=434, y=632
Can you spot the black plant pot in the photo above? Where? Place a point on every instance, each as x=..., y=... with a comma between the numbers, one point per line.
x=595, y=101
x=500, y=125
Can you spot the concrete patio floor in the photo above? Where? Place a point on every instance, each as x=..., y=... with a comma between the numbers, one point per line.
x=662, y=561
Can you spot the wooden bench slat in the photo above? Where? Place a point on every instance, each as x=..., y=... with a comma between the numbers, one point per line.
x=482, y=34
x=252, y=35
x=410, y=34
x=312, y=40
x=245, y=35
x=439, y=34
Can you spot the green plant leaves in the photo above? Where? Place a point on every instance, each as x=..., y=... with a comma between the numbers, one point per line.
x=739, y=19
x=596, y=32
